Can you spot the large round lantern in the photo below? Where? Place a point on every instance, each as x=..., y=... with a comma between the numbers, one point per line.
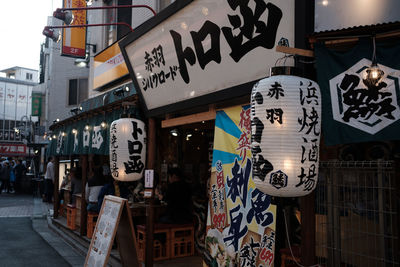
x=286, y=125
x=127, y=149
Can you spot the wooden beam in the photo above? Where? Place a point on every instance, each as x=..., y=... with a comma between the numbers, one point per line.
x=198, y=117
x=295, y=51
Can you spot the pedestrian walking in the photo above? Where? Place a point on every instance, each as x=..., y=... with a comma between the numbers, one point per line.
x=20, y=171
x=12, y=178
x=49, y=181
x=5, y=177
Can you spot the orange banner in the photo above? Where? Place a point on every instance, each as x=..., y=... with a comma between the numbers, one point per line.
x=74, y=39
x=109, y=65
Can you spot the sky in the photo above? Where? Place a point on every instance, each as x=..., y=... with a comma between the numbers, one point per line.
x=21, y=26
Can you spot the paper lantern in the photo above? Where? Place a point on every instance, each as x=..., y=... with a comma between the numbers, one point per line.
x=127, y=149
x=286, y=124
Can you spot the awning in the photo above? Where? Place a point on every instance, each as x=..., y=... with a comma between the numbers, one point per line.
x=84, y=133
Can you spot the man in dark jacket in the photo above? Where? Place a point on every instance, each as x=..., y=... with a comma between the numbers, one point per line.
x=5, y=177
x=19, y=173
x=178, y=198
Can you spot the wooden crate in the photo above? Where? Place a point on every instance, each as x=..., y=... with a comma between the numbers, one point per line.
x=182, y=240
x=91, y=223
x=71, y=217
x=161, y=242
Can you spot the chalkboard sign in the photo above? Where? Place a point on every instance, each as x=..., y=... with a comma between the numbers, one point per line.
x=114, y=220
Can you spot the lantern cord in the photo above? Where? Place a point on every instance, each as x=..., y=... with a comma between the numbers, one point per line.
x=290, y=246
x=284, y=58
x=374, y=52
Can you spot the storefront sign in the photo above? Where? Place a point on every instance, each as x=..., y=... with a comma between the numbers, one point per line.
x=13, y=149
x=286, y=128
x=109, y=66
x=241, y=219
x=353, y=109
x=74, y=39
x=204, y=47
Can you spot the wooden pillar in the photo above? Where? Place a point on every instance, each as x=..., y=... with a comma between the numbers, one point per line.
x=307, y=208
x=84, y=160
x=56, y=203
x=151, y=155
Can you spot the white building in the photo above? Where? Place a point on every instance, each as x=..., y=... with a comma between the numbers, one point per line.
x=16, y=120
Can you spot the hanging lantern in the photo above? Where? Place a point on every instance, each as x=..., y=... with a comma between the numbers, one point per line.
x=127, y=149
x=286, y=125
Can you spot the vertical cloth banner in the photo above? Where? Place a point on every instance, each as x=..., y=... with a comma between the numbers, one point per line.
x=74, y=39
x=354, y=110
x=36, y=104
x=241, y=219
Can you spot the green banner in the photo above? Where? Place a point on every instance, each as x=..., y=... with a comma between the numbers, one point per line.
x=36, y=104
x=356, y=109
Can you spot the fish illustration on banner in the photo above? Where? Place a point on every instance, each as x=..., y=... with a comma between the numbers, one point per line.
x=241, y=219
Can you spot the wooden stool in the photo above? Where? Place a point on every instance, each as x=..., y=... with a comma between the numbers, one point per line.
x=161, y=249
x=287, y=256
x=91, y=223
x=182, y=240
x=71, y=214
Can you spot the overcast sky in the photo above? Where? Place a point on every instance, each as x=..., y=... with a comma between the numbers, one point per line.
x=21, y=26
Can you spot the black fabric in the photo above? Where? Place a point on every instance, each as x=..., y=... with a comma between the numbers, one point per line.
x=179, y=200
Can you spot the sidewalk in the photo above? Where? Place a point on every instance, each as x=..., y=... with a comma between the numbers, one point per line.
x=67, y=244
x=41, y=222
x=28, y=240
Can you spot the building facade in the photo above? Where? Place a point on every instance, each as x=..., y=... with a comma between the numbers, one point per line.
x=16, y=120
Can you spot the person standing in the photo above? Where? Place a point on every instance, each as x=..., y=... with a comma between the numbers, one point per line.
x=5, y=177
x=178, y=198
x=19, y=174
x=12, y=177
x=49, y=181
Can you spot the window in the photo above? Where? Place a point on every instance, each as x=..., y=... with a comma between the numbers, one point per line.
x=77, y=91
x=114, y=32
x=165, y=3
x=29, y=76
x=111, y=30
x=11, y=75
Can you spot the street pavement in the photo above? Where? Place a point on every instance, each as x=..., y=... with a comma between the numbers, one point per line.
x=25, y=237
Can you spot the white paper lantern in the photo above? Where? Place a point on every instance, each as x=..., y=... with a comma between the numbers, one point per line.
x=127, y=149
x=286, y=124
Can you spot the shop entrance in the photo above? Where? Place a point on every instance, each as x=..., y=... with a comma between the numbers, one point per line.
x=190, y=147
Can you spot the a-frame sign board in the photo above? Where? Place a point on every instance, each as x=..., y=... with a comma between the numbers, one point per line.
x=114, y=220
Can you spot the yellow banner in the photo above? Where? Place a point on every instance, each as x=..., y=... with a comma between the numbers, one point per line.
x=109, y=65
x=241, y=219
x=74, y=39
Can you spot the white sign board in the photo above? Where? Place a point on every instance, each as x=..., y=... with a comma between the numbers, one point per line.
x=148, y=178
x=205, y=47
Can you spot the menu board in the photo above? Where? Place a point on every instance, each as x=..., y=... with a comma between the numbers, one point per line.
x=114, y=218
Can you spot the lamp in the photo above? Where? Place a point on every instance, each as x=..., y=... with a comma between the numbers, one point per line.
x=50, y=33
x=64, y=15
x=373, y=73
x=121, y=91
x=82, y=62
x=76, y=110
x=174, y=132
x=56, y=120
x=285, y=134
